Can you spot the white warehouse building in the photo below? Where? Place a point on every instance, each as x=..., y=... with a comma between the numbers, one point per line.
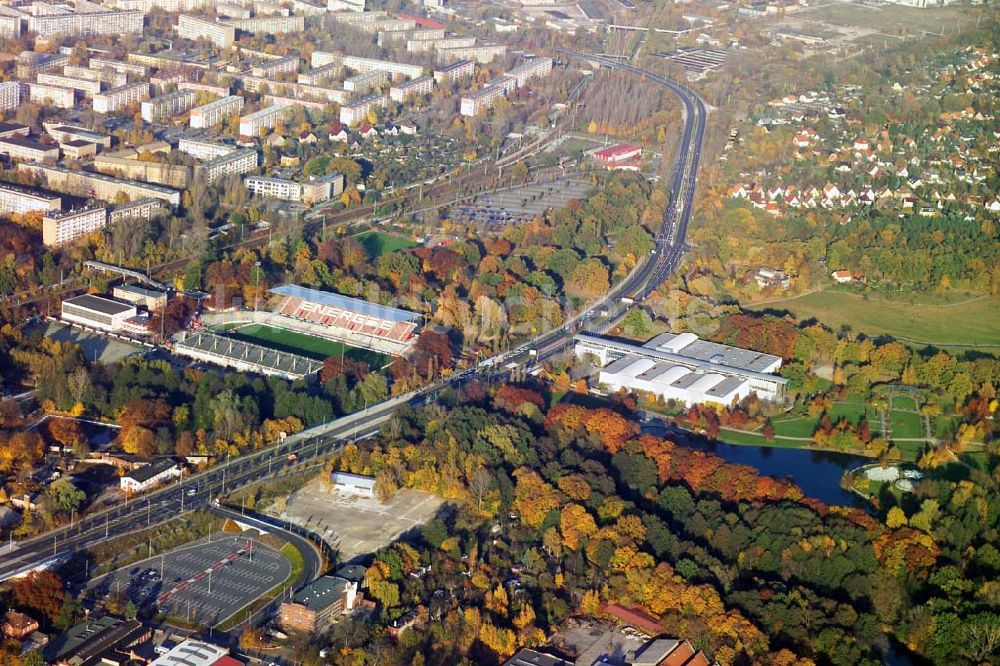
x=684, y=368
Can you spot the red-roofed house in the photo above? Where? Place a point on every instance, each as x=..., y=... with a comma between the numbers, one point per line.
x=635, y=617
x=616, y=156
x=842, y=276
x=337, y=132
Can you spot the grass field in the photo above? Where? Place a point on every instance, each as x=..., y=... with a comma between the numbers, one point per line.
x=377, y=243
x=906, y=425
x=974, y=322
x=305, y=345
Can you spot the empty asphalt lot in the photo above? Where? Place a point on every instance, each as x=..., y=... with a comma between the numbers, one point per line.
x=204, y=583
x=353, y=524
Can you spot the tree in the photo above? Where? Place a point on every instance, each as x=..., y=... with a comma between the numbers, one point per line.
x=41, y=591
x=895, y=518
x=65, y=497
x=638, y=323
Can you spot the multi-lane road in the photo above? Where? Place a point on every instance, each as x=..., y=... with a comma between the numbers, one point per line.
x=198, y=491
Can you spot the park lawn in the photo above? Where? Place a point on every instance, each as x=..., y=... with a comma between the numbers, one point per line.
x=905, y=402
x=294, y=342
x=803, y=426
x=975, y=322
x=377, y=243
x=911, y=450
x=906, y=425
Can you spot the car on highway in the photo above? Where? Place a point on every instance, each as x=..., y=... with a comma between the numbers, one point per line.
x=192, y=492
x=292, y=457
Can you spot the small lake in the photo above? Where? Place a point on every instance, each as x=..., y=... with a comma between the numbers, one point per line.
x=817, y=473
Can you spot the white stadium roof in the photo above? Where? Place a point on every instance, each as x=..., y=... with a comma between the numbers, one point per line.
x=345, y=303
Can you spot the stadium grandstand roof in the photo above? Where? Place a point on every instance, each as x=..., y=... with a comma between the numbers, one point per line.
x=345, y=302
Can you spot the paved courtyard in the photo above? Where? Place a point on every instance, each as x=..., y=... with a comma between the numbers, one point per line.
x=204, y=583
x=353, y=524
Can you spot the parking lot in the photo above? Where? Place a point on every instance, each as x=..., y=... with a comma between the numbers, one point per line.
x=353, y=524
x=204, y=583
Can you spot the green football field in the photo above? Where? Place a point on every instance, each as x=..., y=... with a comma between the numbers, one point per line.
x=377, y=243
x=305, y=345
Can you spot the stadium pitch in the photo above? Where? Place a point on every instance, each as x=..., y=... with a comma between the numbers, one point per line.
x=309, y=346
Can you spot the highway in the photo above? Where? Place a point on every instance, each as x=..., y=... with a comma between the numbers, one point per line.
x=199, y=490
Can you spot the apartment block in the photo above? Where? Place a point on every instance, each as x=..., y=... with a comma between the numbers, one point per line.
x=29, y=63
x=88, y=88
x=484, y=99
x=28, y=150
x=276, y=67
x=425, y=45
x=139, y=209
x=108, y=77
x=296, y=91
x=84, y=18
x=97, y=185
x=391, y=37
x=10, y=24
x=59, y=228
x=321, y=75
x=78, y=149
x=192, y=27
x=346, y=6
x=54, y=96
x=237, y=162
x=172, y=175
x=419, y=86
x=164, y=107
x=127, y=68
x=118, y=98
x=204, y=150
x=17, y=200
x=216, y=112
x=268, y=25
x=530, y=69
x=361, y=17
x=266, y=118
x=360, y=65
x=291, y=101
x=316, y=190
x=10, y=95
x=8, y=130
x=366, y=82
x=482, y=54
x=66, y=133
x=456, y=71
x=356, y=111
x=387, y=24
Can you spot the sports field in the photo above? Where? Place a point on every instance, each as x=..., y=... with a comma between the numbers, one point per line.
x=294, y=342
x=377, y=243
x=974, y=322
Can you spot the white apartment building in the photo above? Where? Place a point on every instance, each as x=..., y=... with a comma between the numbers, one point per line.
x=54, y=96
x=87, y=87
x=425, y=45
x=127, y=68
x=268, y=25
x=66, y=133
x=29, y=63
x=366, y=82
x=10, y=95
x=109, y=77
x=360, y=65
x=97, y=185
x=236, y=162
x=167, y=106
x=59, y=228
x=356, y=111
x=481, y=54
x=390, y=37
x=274, y=188
x=216, y=112
x=85, y=18
x=423, y=85
x=27, y=150
x=17, y=200
x=118, y=98
x=456, y=71
x=204, y=150
x=484, y=99
x=387, y=24
x=321, y=75
x=531, y=69
x=266, y=118
x=276, y=67
x=139, y=209
x=192, y=27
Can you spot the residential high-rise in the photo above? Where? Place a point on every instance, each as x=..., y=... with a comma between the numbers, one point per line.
x=215, y=112
x=193, y=27
x=266, y=118
x=17, y=200
x=118, y=98
x=10, y=95
x=164, y=107
x=59, y=228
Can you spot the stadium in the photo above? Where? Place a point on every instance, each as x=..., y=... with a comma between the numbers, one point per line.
x=303, y=327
